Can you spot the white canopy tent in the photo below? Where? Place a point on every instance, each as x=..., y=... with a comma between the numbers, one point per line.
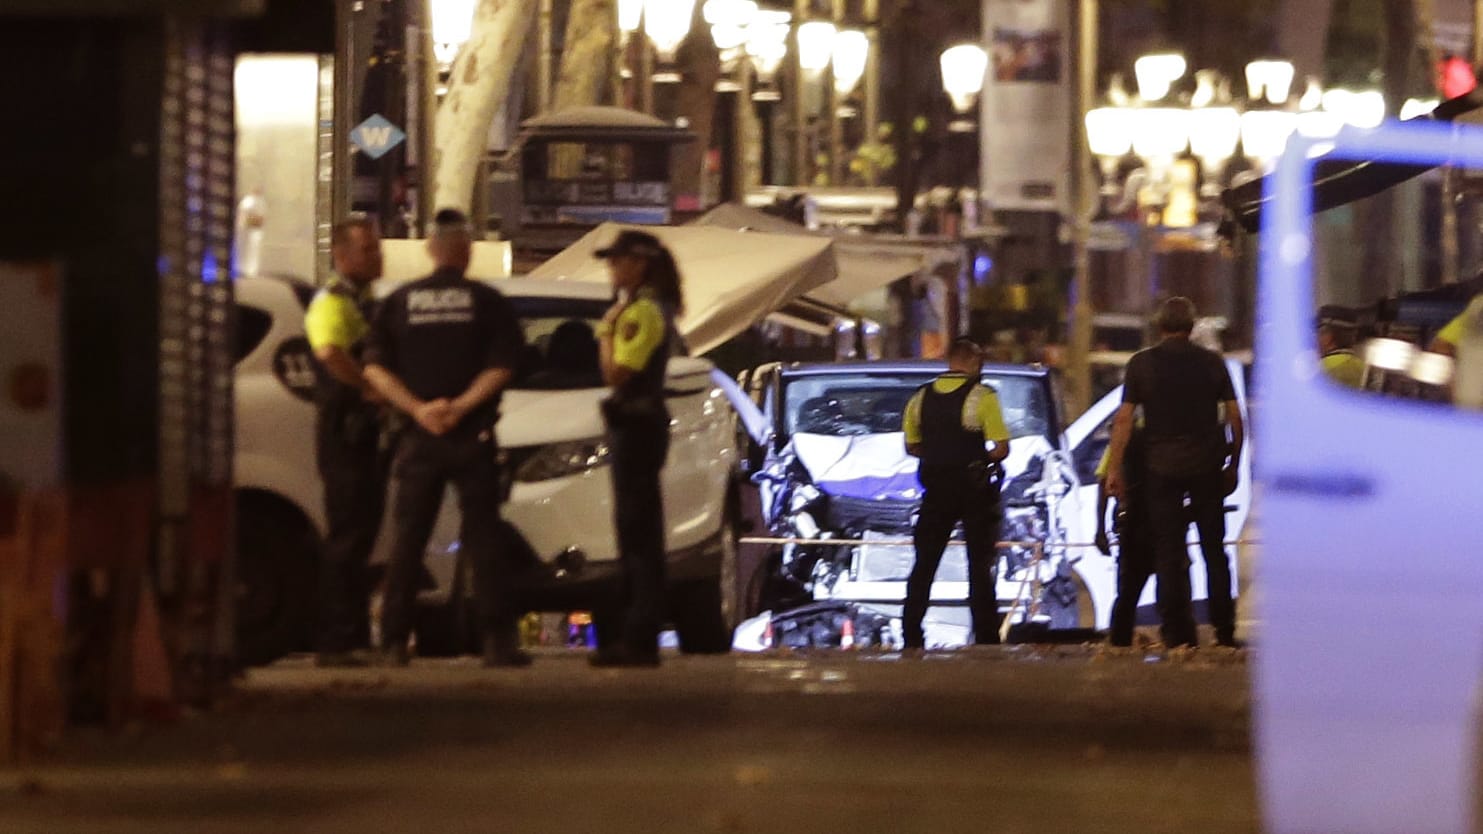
x=732, y=279
x=865, y=262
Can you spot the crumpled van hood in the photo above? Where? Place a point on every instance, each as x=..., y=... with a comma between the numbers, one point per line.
x=876, y=467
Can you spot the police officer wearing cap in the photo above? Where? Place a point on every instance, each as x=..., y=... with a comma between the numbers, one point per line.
x=441, y=351
x=635, y=341
x=347, y=440
x=949, y=424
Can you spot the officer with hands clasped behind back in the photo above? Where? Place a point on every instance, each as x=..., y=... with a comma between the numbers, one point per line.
x=635, y=342
x=441, y=351
x=347, y=440
x=948, y=424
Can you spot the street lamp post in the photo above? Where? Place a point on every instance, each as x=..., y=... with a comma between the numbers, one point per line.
x=851, y=52
x=766, y=47
x=633, y=76
x=667, y=23
x=815, y=44
x=1079, y=348
x=963, y=67
x=728, y=21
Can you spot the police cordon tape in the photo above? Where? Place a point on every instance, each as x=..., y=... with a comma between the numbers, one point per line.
x=910, y=543
x=1031, y=582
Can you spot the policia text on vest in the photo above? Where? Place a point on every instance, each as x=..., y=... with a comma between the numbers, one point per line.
x=948, y=424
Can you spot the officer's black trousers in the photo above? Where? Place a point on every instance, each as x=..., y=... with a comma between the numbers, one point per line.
x=952, y=497
x=424, y=466
x=1135, y=564
x=1168, y=522
x=639, y=446
x=353, y=472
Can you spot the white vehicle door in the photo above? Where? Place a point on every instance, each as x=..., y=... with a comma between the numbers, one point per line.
x=1372, y=586
x=701, y=452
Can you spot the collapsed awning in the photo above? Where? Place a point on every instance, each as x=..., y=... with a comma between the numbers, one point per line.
x=732, y=279
x=1337, y=182
x=864, y=263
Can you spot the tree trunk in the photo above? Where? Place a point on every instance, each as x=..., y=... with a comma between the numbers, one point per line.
x=700, y=67
x=480, y=83
x=586, y=58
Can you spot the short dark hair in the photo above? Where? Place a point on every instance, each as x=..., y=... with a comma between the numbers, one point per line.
x=451, y=221
x=631, y=242
x=340, y=232
x=1344, y=334
x=1176, y=315
x=449, y=217
x=965, y=349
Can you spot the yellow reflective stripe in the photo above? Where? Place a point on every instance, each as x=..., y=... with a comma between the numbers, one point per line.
x=991, y=416
x=1451, y=332
x=1104, y=464
x=948, y=384
x=333, y=320
x=1345, y=368
x=638, y=332
x=911, y=418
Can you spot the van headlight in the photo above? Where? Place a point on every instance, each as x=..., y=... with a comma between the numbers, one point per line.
x=559, y=460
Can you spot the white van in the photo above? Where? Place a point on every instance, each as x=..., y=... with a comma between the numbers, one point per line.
x=560, y=507
x=1369, y=660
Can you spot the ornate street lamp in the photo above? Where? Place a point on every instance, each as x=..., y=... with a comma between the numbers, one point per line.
x=767, y=46
x=630, y=16
x=729, y=20
x=1264, y=133
x=1157, y=73
x=815, y=45
x=1214, y=133
x=851, y=50
x=1360, y=109
x=667, y=23
x=1271, y=80
x=452, y=25
x=963, y=67
x=1110, y=138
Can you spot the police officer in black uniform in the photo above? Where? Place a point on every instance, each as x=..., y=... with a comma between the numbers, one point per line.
x=948, y=424
x=351, y=465
x=635, y=342
x=441, y=351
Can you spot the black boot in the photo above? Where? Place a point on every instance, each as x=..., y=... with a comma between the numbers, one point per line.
x=502, y=650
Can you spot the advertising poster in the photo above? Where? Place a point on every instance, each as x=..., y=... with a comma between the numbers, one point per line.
x=1026, y=105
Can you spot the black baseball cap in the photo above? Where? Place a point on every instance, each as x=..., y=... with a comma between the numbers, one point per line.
x=640, y=244
x=1333, y=315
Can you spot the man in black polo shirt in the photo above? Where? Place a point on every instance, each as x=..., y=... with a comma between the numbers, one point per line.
x=1188, y=402
x=441, y=350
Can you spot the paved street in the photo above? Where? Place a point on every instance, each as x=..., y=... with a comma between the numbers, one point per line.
x=1020, y=739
